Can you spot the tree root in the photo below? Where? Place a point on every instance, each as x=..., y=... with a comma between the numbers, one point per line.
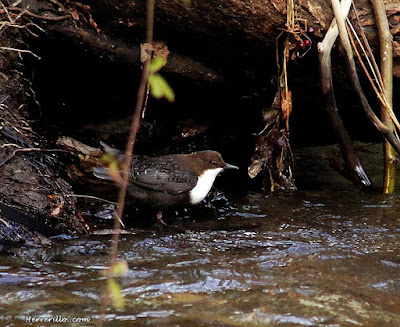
x=356, y=171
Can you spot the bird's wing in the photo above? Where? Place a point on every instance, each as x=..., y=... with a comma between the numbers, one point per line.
x=162, y=181
x=165, y=176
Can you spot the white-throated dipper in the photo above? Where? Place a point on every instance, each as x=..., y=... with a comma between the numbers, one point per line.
x=171, y=180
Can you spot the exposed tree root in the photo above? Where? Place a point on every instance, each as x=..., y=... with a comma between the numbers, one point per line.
x=356, y=171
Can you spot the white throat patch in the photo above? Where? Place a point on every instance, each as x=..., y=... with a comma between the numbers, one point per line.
x=204, y=184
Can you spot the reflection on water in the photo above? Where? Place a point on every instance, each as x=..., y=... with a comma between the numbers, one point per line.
x=311, y=258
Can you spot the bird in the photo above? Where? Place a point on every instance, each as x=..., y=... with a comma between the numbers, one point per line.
x=170, y=181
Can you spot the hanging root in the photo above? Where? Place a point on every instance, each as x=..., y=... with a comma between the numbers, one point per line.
x=386, y=127
x=344, y=39
x=356, y=172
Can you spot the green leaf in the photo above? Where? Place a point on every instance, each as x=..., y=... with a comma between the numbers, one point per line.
x=169, y=93
x=156, y=86
x=119, y=268
x=159, y=88
x=114, y=290
x=108, y=157
x=113, y=169
x=113, y=166
x=157, y=63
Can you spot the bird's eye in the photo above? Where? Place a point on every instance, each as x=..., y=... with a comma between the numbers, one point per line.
x=213, y=162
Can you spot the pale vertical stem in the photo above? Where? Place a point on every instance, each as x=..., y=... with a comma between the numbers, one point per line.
x=385, y=39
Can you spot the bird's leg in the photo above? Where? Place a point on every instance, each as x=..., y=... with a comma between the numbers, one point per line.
x=271, y=179
x=159, y=218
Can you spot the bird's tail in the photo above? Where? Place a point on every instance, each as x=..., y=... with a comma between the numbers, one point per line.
x=116, y=156
x=102, y=173
x=113, y=151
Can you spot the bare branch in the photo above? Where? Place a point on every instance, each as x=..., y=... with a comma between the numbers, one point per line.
x=21, y=51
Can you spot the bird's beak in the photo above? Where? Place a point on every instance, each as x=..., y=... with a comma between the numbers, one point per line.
x=229, y=166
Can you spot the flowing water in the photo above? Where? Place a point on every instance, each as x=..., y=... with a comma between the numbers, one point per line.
x=325, y=255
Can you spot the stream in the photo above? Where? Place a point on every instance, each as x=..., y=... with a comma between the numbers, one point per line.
x=325, y=255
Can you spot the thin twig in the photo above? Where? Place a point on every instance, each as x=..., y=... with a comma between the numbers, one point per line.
x=375, y=86
x=90, y=197
x=132, y=134
x=4, y=100
x=381, y=94
x=126, y=165
x=28, y=13
x=5, y=11
x=21, y=50
x=94, y=198
x=377, y=80
x=12, y=155
x=366, y=43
